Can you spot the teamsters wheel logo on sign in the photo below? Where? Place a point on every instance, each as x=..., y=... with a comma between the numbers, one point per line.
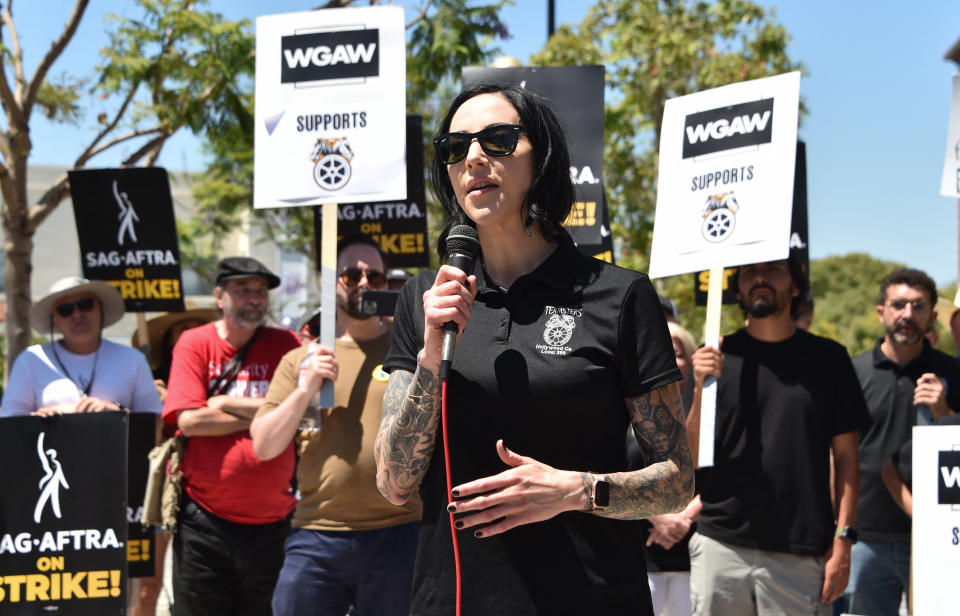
x=558, y=330
x=719, y=217
x=331, y=169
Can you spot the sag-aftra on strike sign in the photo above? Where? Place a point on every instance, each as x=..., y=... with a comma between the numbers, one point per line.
x=725, y=187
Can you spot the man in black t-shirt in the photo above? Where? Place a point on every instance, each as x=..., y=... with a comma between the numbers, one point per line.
x=905, y=382
x=767, y=540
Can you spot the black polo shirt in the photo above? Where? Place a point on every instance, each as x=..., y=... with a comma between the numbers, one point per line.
x=888, y=390
x=546, y=367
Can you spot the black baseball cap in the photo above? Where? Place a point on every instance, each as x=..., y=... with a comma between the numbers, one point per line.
x=244, y=267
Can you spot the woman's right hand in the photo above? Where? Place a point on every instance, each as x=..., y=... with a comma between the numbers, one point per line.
x=449, y=299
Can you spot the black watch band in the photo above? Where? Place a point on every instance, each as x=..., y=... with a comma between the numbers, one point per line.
x=847, y=532
x=599, y=494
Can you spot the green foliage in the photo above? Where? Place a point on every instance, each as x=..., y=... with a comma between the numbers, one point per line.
x=845, y=290
x=654, y=50
x=445, y=36
x=191, y=63
x=59, y=98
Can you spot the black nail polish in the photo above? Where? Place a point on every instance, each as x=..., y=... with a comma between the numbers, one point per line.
x=458, y=524
x=451, y=508
x=478, y=534
x=455, y=492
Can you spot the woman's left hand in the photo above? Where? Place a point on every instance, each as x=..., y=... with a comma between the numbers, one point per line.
x=529, y=491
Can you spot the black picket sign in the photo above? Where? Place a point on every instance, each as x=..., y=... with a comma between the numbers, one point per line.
x=63, y=547
x=128, y=234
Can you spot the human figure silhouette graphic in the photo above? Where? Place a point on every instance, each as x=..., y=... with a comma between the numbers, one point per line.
x=127, y=215
x=50, y=483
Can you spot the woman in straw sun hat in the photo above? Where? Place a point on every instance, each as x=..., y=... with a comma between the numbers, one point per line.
x=80, y=372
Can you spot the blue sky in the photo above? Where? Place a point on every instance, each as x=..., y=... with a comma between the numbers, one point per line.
x=878, y=92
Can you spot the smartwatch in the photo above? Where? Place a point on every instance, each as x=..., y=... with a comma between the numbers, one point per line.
x=847, y=532
x=599, y=494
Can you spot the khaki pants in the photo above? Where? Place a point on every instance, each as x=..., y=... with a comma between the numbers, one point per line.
x=728, y=580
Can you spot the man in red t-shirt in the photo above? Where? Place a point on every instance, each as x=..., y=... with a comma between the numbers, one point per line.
x=235, y=511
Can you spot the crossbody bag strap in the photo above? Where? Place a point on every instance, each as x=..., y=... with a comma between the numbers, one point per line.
x=232, y=369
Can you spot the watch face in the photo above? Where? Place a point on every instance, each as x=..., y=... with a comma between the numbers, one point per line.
x=601, y=493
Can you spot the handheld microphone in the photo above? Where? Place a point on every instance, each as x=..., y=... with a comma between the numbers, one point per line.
x=463, y=246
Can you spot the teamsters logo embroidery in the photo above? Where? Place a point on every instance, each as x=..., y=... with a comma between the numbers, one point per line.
x=558, y=330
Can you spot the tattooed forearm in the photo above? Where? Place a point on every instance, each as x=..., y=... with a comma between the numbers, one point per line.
x=408, y=428
x=665, y=484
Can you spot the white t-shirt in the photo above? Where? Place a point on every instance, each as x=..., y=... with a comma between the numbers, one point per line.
x=121, y=375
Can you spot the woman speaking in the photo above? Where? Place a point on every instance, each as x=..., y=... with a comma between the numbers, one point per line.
x=557, y=353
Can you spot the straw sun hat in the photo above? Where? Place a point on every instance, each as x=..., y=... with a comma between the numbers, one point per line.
x=160, y=325
x=110, y=300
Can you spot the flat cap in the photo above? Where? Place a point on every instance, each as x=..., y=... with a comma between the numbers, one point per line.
x=244, y=267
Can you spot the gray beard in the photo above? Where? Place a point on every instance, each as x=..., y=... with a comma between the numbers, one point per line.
x=250, y=316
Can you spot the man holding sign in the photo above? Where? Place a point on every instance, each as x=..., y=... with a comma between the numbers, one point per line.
x=786, y=400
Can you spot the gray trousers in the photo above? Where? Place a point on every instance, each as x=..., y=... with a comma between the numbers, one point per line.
x=729, y=580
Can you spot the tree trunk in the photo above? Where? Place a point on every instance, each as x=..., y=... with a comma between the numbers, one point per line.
x=18, y=248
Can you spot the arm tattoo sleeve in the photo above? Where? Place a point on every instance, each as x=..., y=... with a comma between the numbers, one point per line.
x=408, y=429
x=665, y=483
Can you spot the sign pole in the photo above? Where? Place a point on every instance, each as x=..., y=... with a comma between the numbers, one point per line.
x=708, y=398
x=144, y=335
x=328, y=289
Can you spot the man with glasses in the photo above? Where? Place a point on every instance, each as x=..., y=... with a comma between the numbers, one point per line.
x=348, y=545
x=81, y=372
x=234, y=511
x=906, y=382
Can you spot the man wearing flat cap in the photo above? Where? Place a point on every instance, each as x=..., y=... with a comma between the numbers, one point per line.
x=234, y=514
x=81, y=372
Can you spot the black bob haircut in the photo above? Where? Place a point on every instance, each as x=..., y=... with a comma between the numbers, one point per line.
x=551, y=192
x=801, y=282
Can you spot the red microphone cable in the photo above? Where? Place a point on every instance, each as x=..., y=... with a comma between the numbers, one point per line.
x=446, y=460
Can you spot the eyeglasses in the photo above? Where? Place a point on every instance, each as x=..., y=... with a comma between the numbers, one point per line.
x=83, y=305
x=351, y=276
x=498, y=140
x=899, y=305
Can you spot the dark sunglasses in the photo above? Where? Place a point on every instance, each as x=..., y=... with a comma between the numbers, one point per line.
x=83, y=305
x=351, y=276
x=498, y=140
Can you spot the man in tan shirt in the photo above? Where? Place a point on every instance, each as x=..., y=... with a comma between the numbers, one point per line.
x=348, y=545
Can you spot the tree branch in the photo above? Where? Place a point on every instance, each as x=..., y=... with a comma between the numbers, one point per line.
x=56, y=48
x=149, y=147
x=17, y=50
x=91, y=152
x=421, y=16
x=47, y=203
x=13, y=110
